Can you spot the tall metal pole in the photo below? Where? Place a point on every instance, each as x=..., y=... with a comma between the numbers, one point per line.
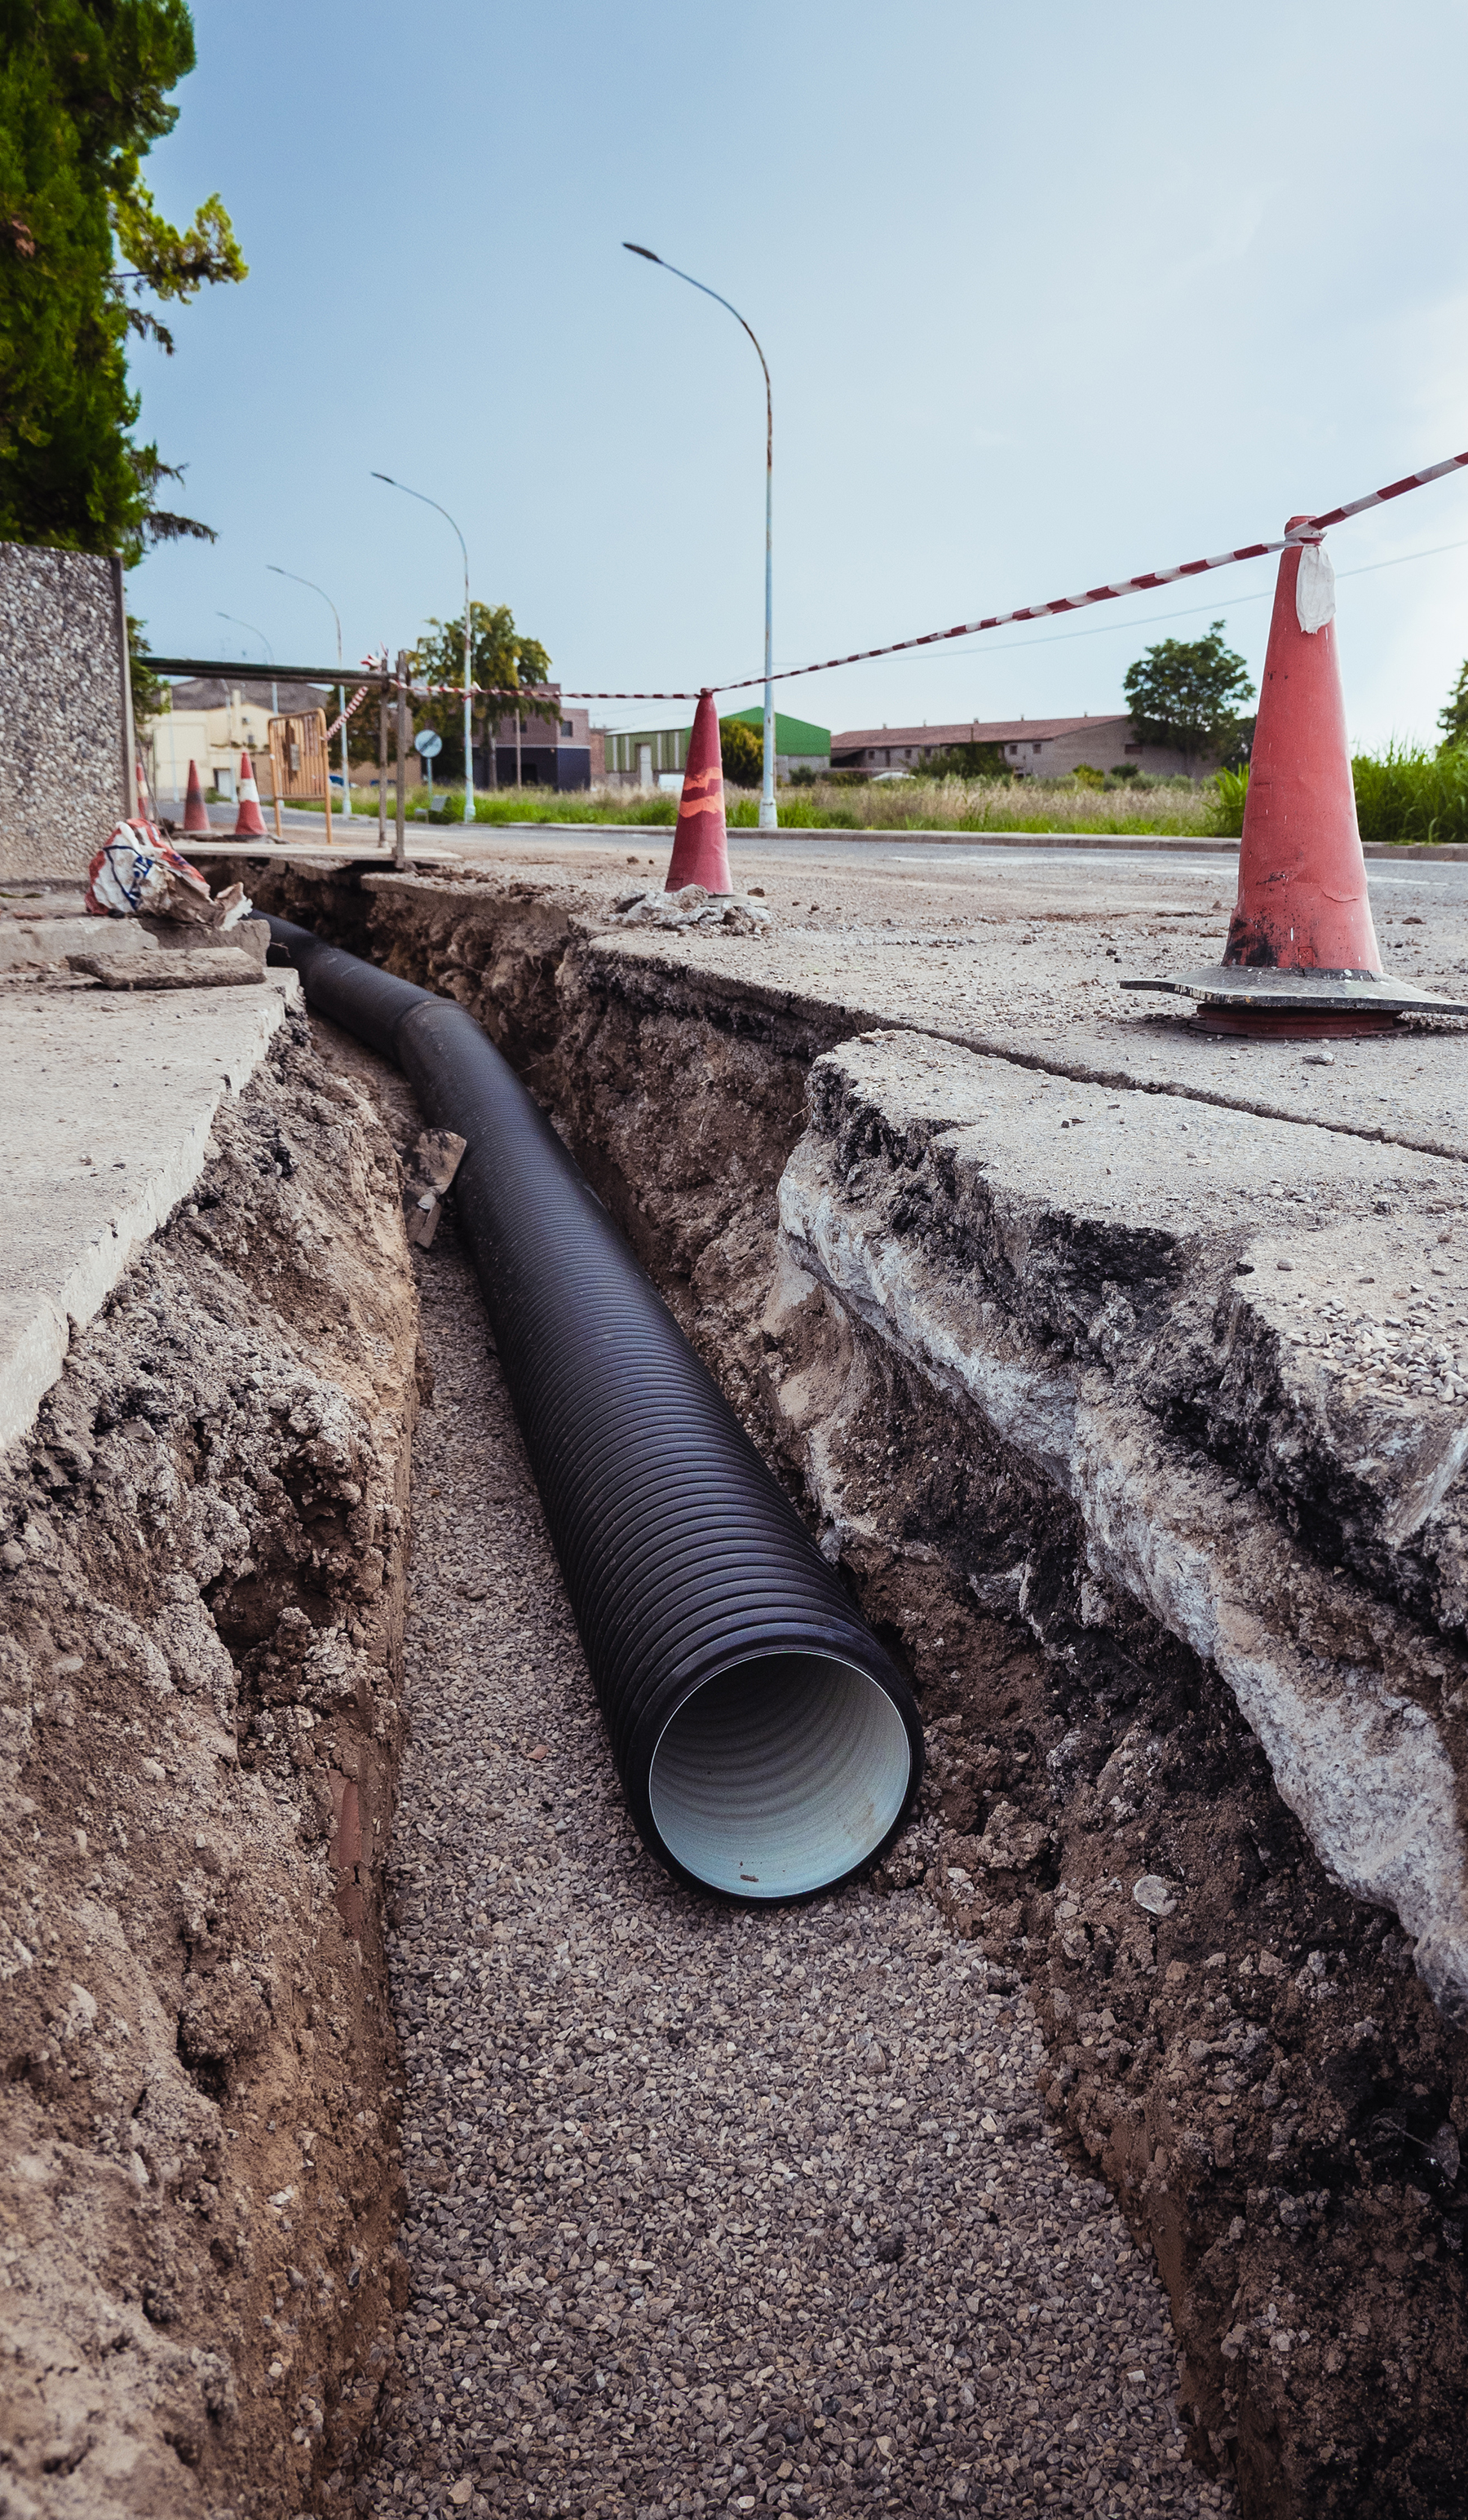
x=469, y=731
x=346, y=781
x=399, y=846
x=769, y=817
x=382, y=761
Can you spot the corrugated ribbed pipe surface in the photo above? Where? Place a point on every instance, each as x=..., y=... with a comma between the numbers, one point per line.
x=767, y=1745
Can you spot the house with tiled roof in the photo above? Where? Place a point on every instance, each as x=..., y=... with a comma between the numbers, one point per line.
x=1033, y=747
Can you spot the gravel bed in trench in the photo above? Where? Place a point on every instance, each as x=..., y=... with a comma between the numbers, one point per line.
x=710, y=2210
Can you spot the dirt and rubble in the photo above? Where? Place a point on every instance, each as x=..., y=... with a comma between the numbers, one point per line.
x=203, y=1552
x=1243, y=2048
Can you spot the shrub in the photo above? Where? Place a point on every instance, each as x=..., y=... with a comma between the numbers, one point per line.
x=1408, y=794
x=743, y=749
x=1232, y=788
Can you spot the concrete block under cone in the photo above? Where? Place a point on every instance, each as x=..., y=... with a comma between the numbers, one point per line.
x=1301, y=961
x=700, y=844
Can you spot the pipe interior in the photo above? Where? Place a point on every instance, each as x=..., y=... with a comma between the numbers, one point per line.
x=779, y=1775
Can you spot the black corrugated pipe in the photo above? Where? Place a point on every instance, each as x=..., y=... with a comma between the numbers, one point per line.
x=767, y=1745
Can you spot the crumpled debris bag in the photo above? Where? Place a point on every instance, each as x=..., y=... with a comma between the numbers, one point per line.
x=731, y=913
x=137, y=870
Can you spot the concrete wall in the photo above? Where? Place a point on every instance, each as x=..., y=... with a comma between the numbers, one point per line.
x=64, y=731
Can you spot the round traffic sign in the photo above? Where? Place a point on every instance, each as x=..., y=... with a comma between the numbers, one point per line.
x=429, y=744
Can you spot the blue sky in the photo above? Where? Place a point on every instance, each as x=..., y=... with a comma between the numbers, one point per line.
x=1049, y=295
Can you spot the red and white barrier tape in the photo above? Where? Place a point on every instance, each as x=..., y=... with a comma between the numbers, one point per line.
x=340, y=719
x=1308, y=530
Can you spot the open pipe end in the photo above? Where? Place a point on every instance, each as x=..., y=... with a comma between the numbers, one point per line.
x=780, y=1775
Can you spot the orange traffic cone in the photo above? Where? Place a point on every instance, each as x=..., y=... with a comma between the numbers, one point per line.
x=196, y=811
x=1302, y=959
x=700, y=844
x=249, y=821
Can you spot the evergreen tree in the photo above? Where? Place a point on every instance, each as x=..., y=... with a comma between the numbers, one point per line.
x=1454, y=719
x=743, y=749
x=1187, y=693
x=502, y=660
x=83, y=95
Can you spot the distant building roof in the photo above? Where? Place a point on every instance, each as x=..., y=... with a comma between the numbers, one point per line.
x=211, y=695
x=1001, y=729
x=792, y=735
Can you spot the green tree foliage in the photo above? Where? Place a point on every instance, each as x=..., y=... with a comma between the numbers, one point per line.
x=966, y=761
x=1188, y=693
x=83, y=95
x=501, y=659
x=1454, y=719
x=743, y=750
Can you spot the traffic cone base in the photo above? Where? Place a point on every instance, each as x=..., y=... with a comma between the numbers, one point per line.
x=700, y=844
x=196, y=811
x=1258, y=1023
x=249, y=821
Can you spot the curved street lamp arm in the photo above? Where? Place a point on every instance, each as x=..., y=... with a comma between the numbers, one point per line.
x=468, y=726
x=650, y=257
x=296, y=580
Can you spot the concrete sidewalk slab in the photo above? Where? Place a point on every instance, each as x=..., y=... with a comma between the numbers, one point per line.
x=104, y=1129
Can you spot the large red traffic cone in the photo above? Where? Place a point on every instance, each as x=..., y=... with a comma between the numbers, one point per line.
x=249, y=821
x=700, y=844
x=1302, y=880
x=196, y=811
x=1302, y=959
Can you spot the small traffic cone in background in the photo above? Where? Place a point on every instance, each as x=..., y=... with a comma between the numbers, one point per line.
x=249, y=821
x=196, y=811
x=700, y=844
x=1303, y=904
x=144, y=813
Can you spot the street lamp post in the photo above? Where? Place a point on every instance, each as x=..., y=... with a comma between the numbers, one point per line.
x=769, y=817
x=265, y=644
x=468, y=749
x=277, y=571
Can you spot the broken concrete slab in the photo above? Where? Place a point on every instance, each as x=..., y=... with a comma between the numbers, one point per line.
x=105, y=1129
x=1054, y=1261
x=1057, y=1011
x=213, y=966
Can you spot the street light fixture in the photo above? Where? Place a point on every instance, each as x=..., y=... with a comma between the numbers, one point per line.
x=468, y=751
x=769, y=817
x=277, y=571
x=265, y=644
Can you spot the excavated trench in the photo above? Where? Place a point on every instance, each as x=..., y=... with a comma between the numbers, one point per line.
x=201, y=1676
x=1237, y=2042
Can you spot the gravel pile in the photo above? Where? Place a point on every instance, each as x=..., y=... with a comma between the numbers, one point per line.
x=710, y=2211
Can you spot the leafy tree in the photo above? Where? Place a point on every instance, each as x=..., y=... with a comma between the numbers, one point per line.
x=743, y=749
x=1188, y=693
x=501, y=659
x=1454, y=719
x=83, y=95
x=966, y=761
x=151, y=693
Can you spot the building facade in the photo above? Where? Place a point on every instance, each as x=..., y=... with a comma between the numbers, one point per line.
x=554, y=750
x=1037, y=748
x=643, y=758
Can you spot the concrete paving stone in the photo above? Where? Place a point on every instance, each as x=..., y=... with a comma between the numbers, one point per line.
x=103, y=1129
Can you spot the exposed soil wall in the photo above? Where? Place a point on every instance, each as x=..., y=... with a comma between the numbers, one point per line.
x=1253, y=2064
x=200, y=1631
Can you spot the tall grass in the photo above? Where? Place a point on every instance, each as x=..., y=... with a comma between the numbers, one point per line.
x=1408, y=794
x=944, y=805
x=1403, y=795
